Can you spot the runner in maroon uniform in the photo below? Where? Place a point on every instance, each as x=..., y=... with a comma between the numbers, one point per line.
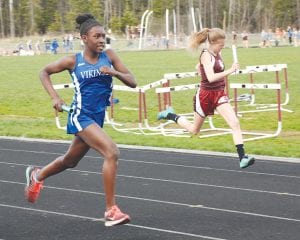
x=211, y=95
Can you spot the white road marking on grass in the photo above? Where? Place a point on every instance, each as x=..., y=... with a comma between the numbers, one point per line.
x=162, y=164
x=175, y=181
x=102, y=220
x=166, y=202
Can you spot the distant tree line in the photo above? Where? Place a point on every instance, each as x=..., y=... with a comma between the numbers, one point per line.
x=20, y=18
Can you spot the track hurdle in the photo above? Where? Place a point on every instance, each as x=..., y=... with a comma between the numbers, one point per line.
x=223, y=131
x=70, y=86
x=265, y=68
x=274, y=86
x=167, y=94
x=251, y=70
x=143, y=123
x=179, y=132
x=142, y=127
x=172, y=76
x=110, y=116
x=57, y=119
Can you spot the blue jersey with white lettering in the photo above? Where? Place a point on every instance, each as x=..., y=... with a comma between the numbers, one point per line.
x=92, y=88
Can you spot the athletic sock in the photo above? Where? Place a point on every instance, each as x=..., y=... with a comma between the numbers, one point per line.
x=35, y=177
x=240, y=150
x=172, y=116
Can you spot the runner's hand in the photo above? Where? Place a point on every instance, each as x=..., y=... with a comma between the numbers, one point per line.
x=235, y=67
x=57, y=103
x=109, y=71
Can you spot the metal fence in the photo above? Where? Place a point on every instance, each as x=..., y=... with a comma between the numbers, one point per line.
x=38, y=46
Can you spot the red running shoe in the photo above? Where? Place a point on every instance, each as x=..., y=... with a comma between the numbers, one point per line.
x=33, y=187
x=114, y=216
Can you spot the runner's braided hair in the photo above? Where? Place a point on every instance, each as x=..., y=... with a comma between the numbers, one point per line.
x=85, y=22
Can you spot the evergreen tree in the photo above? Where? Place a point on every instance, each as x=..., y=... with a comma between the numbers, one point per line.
x=129, y=17
x=43, y=16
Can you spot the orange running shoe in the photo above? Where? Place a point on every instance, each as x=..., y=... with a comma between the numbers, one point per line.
x=114, y=216
x=33, y=187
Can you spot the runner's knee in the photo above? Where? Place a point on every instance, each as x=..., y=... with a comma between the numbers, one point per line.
x=112, y=153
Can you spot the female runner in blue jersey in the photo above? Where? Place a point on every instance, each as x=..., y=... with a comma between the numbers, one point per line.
x=91, y=71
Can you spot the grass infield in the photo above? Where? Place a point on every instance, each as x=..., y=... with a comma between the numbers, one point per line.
x=25, y=108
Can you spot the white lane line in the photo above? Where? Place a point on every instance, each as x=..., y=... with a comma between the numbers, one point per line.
x=177, y=182
x=210, y=154
x=208, y=168
x=52, y=212
x=102, y=220
x=166, y=202
x=162, y=164
x=211, y=185
x=29, y=151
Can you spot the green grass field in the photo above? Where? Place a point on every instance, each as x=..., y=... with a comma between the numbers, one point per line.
x=25, y=108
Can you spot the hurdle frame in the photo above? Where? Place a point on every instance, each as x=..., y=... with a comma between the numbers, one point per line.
x=274, y=86
x=251, y=70
x=70, y=86
x=265, y=68
x=172, y=76
x=167, y=97
x=143, y=123
x=59, y=87
x=224, y=131
x=179, y=132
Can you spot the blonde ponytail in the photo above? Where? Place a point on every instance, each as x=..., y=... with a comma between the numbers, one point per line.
x=198, y=38
x=211, y=35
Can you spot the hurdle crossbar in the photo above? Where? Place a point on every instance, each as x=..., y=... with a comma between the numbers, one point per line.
x=177, y=88
x=248, y=70
x=255, y=85
x=171, y=76
x=154, y=84
x=63, y=86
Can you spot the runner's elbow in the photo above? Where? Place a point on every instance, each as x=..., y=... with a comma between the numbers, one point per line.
x=133, y=83
x=210, y=79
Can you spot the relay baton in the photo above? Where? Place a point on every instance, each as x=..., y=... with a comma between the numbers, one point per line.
x=234, y=53
x=66, y=108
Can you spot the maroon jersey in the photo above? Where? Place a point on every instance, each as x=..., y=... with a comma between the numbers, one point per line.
x=218, y=67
